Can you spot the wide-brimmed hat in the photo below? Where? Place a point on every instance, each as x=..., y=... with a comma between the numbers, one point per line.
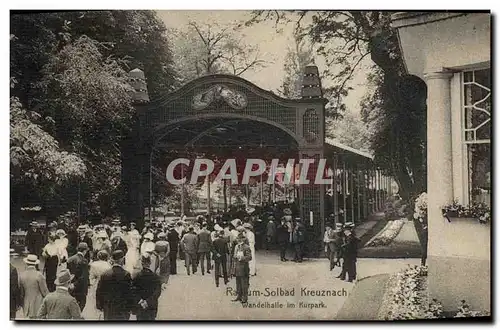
x=161, y=246
x=247, y=225
x=240, y=229
x=63, y=277
x=60, y=232
x=161, y=235
x=34, y=224
x=217, y=227
x=149, y=236
x=236, y=222
x=102, y=234
x=349, y=225
x=31, y=259
x=287, y=211
x=250, y=210
x=116, y=222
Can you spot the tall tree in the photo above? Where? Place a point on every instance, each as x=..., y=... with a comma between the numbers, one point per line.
x=298, y=56
x=345, y=39
x=71, y=67
x=210, y=48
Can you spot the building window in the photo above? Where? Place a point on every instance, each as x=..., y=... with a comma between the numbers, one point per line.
x=477, y=133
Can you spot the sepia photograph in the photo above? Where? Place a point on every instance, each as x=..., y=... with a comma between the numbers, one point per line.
x=250, y=165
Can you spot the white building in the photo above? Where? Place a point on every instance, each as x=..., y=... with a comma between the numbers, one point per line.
x=451, y=52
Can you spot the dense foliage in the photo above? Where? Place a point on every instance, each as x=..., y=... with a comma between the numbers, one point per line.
x=395, y=109
x=70, y=73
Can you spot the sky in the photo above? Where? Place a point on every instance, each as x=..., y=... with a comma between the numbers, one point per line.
x=273, y=47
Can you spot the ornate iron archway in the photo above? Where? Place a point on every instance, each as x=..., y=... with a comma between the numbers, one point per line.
x=228, y=98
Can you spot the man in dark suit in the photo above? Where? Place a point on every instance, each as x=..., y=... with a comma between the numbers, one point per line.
x=114, y=294
x=173, y=239
x=189, y=243
x=298, y=239
x=14, y=292
x=118, y=243
x=147, y=289
x=34, y=240
x=283, y=237
x=242, y=255
x=349, y=254
x=79, y=267
x=204, y=246
x=220, y=251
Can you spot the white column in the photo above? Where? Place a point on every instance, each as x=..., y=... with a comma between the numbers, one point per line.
x=439, y=153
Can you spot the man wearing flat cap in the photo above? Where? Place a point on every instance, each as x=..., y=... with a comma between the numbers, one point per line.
x=78, y=265
x=114, y=294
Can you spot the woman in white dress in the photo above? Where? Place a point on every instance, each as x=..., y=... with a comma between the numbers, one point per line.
x=251, y=242
x=62, y=243
x=132, y=264
x=97, y=268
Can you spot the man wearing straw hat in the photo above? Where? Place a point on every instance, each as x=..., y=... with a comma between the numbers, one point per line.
x=33, y=287
x=60, y=305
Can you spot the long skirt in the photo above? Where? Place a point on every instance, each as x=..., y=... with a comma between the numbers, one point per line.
x=50, y=268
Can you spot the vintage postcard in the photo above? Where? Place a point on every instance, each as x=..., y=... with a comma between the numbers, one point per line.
x=250, y=165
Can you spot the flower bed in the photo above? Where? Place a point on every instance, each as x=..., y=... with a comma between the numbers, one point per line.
x=388, y=234
x=407, y=298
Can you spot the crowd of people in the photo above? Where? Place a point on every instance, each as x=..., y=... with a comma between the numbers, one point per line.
x=124, y=269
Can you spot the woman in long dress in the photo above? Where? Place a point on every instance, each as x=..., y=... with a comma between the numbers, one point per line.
x=51, y=253
x=62, y=243
x=132, y=264
x=97, y=268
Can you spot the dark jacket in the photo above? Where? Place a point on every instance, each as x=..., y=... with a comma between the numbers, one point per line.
x=204, y=241
x=282, y=233
x=298, y=234
x=147, y=286
x=220, y=249
x=15, y=296
x=34, y=241
x=118, y=243
x=79, y=267
x=350, y=248
x=114, y=294
x=173, y=239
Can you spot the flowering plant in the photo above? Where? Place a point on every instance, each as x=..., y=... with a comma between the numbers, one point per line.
x=464, y=311
x=479, y=211
x=420, y=212
x=409, y=299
